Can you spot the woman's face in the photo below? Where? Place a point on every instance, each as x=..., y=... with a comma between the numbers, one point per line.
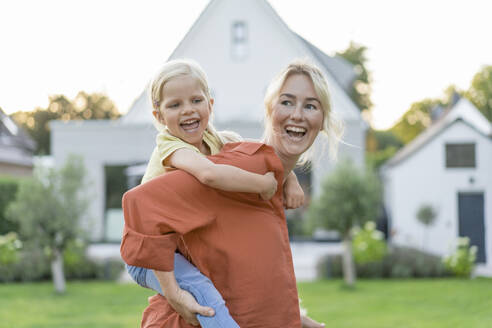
x=297, y=116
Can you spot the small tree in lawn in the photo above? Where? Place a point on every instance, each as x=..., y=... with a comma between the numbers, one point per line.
x=48, y=208
x=426, y=214
x=349, y=197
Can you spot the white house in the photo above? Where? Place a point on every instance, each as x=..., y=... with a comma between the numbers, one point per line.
x=448, y=166
x=16, y=148
x=241, y=45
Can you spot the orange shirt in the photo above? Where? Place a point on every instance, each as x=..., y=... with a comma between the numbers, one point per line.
x=236, y=239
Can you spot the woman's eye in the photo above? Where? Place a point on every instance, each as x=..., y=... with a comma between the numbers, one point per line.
x=286, y=102
x=311, y=106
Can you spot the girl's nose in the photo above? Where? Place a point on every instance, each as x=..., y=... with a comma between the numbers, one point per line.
x=188, y=108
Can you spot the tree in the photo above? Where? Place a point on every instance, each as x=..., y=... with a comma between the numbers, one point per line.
x=381, y=145
x=349, y=198
x=415, y=120
x=361, y=88
x=83, y=107
x=426, y=214
x=48, y=208
x=480, y=91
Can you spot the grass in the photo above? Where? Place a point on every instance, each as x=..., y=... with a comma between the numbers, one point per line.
x=373, y=303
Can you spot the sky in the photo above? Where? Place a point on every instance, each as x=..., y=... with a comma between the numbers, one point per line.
x=415, y=48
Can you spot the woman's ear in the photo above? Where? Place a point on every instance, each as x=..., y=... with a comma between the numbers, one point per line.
x=211, y=103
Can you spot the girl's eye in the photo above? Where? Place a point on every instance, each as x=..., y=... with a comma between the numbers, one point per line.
x=197, y=101
x=173, y=105
x=311, y=106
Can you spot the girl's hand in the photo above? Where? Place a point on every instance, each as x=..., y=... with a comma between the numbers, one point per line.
x=307, y=322
x=293, y=193
x=185, y=304
x=270, y=186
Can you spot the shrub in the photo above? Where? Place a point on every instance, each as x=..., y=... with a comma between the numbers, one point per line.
x=399, y=262
x=8, y=190
x=462, y=261
x=368, y=244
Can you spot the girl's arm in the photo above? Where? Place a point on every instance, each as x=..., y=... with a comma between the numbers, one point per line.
x=293, y=193
x=220, y=176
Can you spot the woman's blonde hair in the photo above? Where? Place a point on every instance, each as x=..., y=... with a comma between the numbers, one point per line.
x=176, y=68
x=332, y=127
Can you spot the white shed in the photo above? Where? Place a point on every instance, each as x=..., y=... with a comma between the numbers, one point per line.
x=449, y=167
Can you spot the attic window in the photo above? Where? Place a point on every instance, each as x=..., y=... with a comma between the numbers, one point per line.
x=460, y=155
x=239, y=40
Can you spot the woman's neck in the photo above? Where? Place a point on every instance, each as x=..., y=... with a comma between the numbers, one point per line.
x=288, y=162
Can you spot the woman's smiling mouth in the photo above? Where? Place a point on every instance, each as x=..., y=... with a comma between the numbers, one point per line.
x=295, y=132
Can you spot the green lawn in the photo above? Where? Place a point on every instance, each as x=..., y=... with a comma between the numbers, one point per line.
x=390, y=303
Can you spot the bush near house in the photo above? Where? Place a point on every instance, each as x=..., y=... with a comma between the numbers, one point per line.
x=8, y=190
x=399, y=262
x=32, y=264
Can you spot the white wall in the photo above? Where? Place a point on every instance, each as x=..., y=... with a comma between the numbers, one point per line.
x=101, y=143
x=424, y=178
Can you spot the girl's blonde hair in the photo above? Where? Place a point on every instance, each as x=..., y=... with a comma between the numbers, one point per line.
x=173, y=69
x=332, y=127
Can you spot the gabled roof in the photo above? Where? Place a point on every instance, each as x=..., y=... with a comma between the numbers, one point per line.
x=463, y=111
x=12, y=135
x=16, y=146
x=340, y=73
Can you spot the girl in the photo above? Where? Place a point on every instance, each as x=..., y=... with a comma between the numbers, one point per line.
x=182, y=108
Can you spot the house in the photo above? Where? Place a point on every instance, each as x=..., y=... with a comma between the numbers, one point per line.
x=449, y=167
x=241, y=45
x=16, y=148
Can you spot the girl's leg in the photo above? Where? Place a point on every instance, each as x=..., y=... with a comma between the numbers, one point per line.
x=192, y=280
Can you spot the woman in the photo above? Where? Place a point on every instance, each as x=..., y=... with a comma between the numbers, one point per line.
x=236, y=239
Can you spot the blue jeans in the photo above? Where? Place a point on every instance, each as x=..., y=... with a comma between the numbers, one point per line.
x=192, y=280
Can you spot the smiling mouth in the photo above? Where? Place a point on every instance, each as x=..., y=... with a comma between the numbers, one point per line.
x=295, y=132
x=190, y=125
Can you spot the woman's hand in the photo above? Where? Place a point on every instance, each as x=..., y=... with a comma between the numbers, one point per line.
x=185, y=304
x=270, y=186
x=307, y=322
x=293, y=193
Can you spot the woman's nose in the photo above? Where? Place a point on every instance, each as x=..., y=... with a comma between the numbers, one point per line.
x=296, y=114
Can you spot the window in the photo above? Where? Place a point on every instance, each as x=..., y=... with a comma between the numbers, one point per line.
x=239, y=40
x=460, y=155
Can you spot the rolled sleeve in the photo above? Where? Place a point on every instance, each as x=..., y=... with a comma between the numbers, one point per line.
x=152, y=252
x=157, y=212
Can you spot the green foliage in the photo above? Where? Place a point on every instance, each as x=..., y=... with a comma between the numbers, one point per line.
x=8, y=189
x=398, y=262
x=83, y=107
x=462, y=261
x=368, y=244
x=349, y=197
x=48, y=206
x=9, y=247
x=426, y=214
x=415, y=120
x=480, y=91
x=30, y=264
x=361, y=88
x=376, y=159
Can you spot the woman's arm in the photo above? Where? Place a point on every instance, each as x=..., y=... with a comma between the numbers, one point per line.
x=220, y=176
x=182, y=301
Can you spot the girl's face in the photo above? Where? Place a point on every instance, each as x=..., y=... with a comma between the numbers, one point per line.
x=297, y=116
x=185, y=109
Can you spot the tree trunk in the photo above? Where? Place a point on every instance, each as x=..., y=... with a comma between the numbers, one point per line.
x=57, y=271
x=348, y=262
